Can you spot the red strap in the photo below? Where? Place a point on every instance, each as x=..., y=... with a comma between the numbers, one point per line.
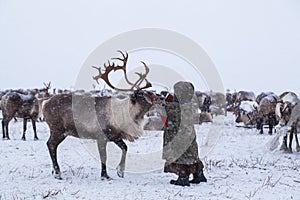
x=164, y=120
x=153, y=99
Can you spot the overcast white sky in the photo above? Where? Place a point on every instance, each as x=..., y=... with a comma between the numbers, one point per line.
x=255, y=44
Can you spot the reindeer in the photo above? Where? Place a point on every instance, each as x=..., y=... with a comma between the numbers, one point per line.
x=244, y=96
x=262, y=95
x=218, y=103
x=234, y=100
x=230, y=101
x=102, y=118
x=204, y=101
x=41, y=96
x=284, y=106
x=14, y=104
x=246, y=113
x=288, y=112
x=267, y=113
x=293, y=123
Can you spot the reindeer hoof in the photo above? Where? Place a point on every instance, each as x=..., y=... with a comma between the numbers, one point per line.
x=57, y=175
x=297, y=149
x=36, y=138
x=120, y=174
x=288, y=150
x=283, y=148
x=105, y=178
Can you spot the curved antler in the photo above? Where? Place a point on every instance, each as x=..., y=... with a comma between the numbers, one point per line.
x=112, y=67
x=143, y=77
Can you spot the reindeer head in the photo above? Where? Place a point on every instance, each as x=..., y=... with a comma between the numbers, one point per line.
x=283, y=112
x=143, y=97
x=44, y=92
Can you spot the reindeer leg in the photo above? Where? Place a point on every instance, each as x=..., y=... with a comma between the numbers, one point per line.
x=297, y=143
x=5, y=123
x=259, y=126
x=6, y=129
x=121, y=166
x=34, y=129
x=291, y=139
x=52, y=144
x=24, y=128
x=270, y=129
x=102, y=142
x=3, y=128
x=296, y=138
x=284, y=143
x=261, y=129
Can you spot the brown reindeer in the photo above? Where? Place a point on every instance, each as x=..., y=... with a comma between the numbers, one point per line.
x=42, y=96
x=14, y=104
x=102, y=118
x=267, y=113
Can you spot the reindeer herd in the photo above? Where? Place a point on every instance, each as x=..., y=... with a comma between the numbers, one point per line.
x=26, y=104
x=126, y=113
x=268, y=109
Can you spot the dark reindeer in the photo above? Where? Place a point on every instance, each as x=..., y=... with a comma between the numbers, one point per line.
x=102, y=118
x=14, y=104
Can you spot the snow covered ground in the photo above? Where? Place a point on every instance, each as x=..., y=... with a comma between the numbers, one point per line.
x=240, y=166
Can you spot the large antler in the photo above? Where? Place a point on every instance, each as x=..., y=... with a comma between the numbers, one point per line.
x=112, y=67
